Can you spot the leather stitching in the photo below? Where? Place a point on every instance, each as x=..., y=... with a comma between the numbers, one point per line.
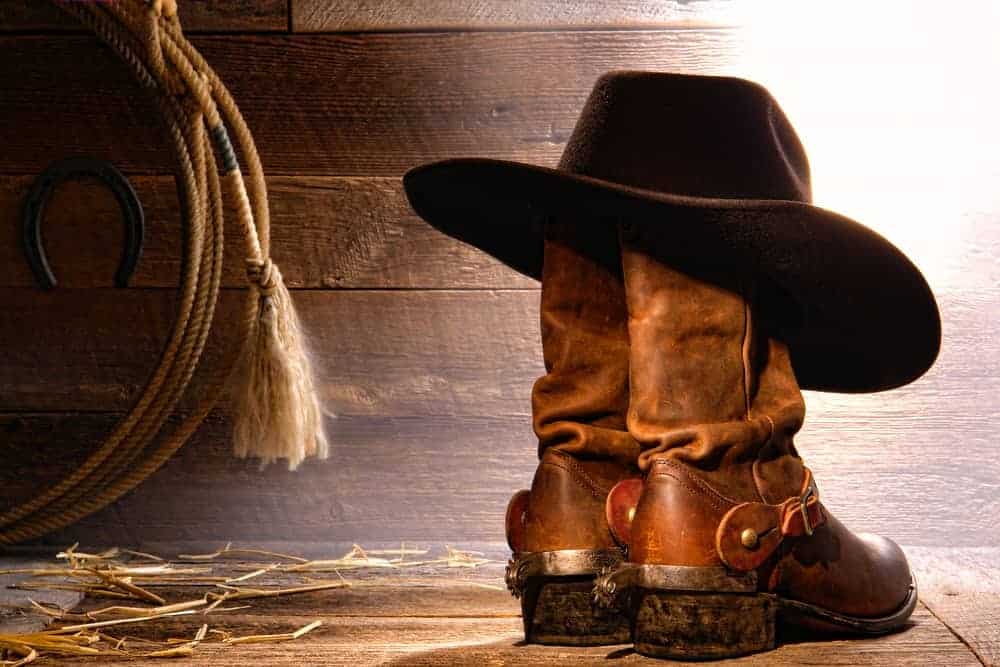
x=579, y=475
x=695, y=485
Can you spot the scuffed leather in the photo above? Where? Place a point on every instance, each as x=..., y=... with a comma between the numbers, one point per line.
x=566, y=507
x=715, y=407
x=579, y=405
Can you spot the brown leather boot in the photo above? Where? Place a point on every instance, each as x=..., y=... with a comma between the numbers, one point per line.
x=728, y=532
x=557, y=530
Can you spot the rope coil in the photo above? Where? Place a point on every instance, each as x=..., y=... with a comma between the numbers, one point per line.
x=277, y=412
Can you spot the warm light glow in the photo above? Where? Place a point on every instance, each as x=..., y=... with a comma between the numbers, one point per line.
x=897, y=104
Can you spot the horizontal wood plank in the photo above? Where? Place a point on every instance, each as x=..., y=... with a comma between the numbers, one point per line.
x=382, y=595
x=443, y=480
x=391, y=352
x=374, y=15
x=388, y=353
x=374, y=104
x=327, y=232
x=447, y=479
x=15, y=604
x=435, y=387
x=197, y=16
x=464, y=641
x=429, y=617
x=927, y=640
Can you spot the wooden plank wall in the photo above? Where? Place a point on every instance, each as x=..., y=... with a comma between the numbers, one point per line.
x=427, y=349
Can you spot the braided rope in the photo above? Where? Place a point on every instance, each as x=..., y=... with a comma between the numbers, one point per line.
x=274, y=370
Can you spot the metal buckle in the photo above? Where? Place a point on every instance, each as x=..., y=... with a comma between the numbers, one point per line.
x=803, y=500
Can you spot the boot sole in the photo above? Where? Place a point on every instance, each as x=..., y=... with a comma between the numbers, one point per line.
x=704, y=613
x=556, y=589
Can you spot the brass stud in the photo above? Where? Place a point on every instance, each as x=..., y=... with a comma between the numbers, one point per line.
x=749, y=538
x=631, y=514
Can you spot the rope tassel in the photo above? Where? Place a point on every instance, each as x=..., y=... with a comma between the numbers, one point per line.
x=277, y=409
x=278, y=413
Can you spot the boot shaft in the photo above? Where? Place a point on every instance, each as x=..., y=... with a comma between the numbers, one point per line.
x=579, y=405
x=710, y=386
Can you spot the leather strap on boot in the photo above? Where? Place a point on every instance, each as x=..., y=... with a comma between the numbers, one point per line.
x=750, y=532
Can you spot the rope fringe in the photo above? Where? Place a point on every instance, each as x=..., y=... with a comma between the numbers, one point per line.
x=278, y=413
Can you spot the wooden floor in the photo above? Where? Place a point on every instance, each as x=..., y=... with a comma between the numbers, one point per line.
x=457, y=616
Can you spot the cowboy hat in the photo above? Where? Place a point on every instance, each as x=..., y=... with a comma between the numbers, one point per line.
x=715, y=166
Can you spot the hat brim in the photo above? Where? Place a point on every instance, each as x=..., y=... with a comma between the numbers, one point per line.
x=866, y=319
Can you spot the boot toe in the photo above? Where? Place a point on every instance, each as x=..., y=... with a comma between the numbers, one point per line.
x=890, y=577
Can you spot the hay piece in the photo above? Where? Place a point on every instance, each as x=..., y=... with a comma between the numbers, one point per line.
x=77, y=558
x=142, y=554
x=185, y=649
x=128, y=586
x=146, y=612
x=251, y=575
x=229, y=551
x=27, y=654
x=251, y=593
x=285, y=636
x=117, y=621
x=43, y=642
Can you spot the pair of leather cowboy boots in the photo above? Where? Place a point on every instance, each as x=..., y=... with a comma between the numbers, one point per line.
x=689, y=290
x=668, y=470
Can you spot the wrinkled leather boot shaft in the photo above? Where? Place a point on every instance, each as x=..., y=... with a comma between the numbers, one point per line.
x=714, y=407
x=579, y=404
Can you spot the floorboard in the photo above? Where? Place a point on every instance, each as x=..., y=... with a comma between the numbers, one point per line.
x=961, y=588
x=460, y=616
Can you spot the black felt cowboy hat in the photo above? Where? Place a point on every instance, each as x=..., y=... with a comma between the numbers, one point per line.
x=716, y=164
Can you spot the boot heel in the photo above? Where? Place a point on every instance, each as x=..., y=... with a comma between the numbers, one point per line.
x=691, y=613
x=556, y=589
x=561, y=611
x=702, y=626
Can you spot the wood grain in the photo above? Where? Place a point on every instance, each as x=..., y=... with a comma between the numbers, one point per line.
x=374, y=104
x=15, y=605
x=432, y=594
x=439, y=617
x=447, y=478
x=927, y=641
x=432, y=389
x=961, y=587
x=328, y=232
x=437, y=352
x=198, y=16
x=434, y=480
x=415, y=640
x=387, y=353
x=326, y=16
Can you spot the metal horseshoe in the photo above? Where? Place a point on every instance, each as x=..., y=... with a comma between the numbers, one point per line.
x=38, y=196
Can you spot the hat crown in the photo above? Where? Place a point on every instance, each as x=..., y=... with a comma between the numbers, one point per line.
x=698, y=136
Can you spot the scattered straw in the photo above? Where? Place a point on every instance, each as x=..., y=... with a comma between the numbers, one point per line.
x=126, y=575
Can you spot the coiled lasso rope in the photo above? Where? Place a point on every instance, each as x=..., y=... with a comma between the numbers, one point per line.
x=276, y=409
